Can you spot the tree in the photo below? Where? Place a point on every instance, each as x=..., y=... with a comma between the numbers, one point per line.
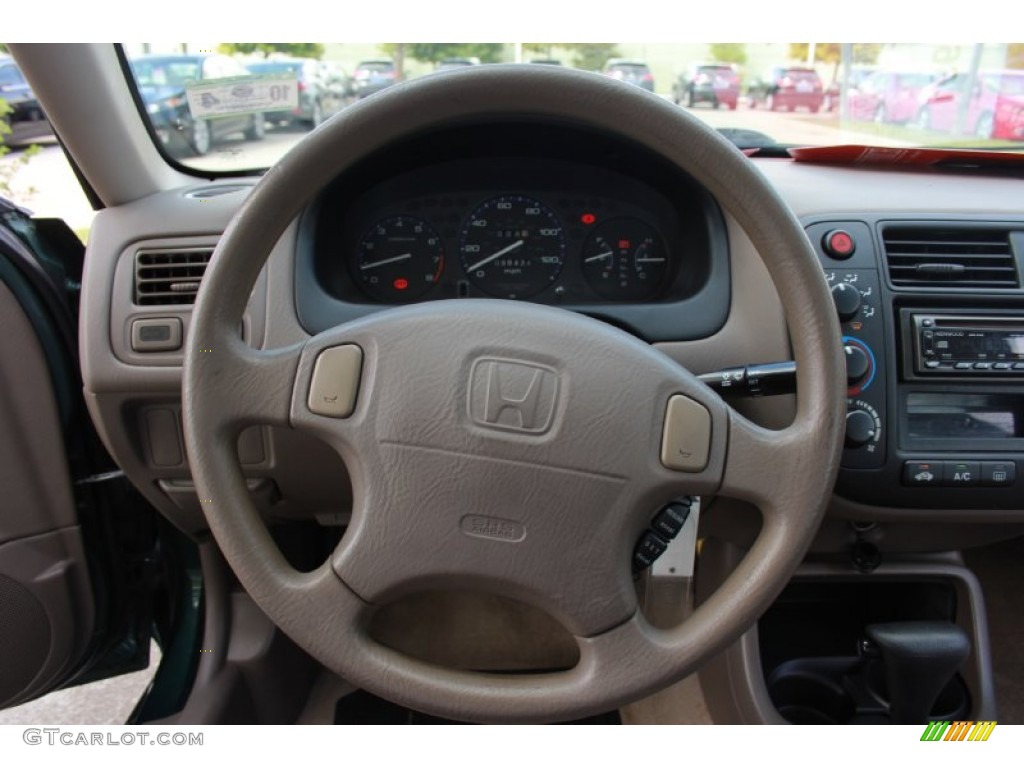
x=9, y=169
x=729, y=53
x=831, y=53
x=431, y=53
x=590, y=56
x=1015, y=55
x=299, y=50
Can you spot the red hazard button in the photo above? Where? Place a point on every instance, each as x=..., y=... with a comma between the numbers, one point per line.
x=838, y=244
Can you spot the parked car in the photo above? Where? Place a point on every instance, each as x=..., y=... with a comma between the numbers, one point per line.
x=858, y=74
x=25, y=117
x=457, y=62
x=629, y=71
x=320, y=94
x=373, y=75
x=714, y=84
x=162, y=80
x=994, y=108
x=787, y=88
x=888, y=97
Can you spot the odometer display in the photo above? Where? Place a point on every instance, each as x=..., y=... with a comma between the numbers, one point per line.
x=512, y=246
x=399, y=259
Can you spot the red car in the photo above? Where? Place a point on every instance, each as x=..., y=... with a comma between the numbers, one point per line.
x=995, y=108
x=788, y=88
x=888, y=97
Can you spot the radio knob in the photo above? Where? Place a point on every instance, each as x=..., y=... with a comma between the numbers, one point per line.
x=847, y=301
x=857, y=363
x=860, y=428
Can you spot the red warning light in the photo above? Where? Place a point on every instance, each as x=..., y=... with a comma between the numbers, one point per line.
x=624, y=244
x=588, y=218
x=400, y=283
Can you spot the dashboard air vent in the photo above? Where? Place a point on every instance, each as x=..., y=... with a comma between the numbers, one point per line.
x=169, y=277
x=216, y=190
x=933, y=257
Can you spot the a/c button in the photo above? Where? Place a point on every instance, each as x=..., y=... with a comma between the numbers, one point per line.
x=961, y=473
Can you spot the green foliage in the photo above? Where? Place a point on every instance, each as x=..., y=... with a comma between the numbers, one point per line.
x=729, y=53
x=298, y=50
x=431, y=53
x=831, y=53
x=9, y=169
x=592, y=56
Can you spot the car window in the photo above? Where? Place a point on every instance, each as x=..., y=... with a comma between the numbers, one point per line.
x=10, y=75
x=777, y=90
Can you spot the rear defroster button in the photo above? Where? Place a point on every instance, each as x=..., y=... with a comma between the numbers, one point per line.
x=998, y=472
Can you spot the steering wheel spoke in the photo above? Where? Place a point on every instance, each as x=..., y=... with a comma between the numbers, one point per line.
x=250, y=386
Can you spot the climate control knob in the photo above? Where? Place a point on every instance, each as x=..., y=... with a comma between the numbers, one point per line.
x=857, y=363
x=847, y=301
x=860, y=428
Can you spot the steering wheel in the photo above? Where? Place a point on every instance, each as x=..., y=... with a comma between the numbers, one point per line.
x=506, y=447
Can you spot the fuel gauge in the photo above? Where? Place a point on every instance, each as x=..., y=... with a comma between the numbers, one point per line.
x=624, y=260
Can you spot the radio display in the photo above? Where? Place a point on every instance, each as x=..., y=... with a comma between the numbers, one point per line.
x=964, y=344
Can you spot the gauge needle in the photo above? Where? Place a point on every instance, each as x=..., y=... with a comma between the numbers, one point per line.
x=493, y=256
x=599, y=256
x=382, y=262
x=645, y=261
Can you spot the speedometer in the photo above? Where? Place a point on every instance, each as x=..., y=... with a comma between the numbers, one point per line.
x=512, y=246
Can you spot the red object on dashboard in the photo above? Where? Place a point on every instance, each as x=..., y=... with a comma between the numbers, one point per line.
x=858, y=154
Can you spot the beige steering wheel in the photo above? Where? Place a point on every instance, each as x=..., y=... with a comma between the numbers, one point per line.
x=445, y=500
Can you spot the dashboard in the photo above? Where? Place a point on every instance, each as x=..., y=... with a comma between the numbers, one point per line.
x=591, y=223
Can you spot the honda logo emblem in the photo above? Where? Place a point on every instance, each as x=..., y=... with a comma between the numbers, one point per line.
x=512, y=396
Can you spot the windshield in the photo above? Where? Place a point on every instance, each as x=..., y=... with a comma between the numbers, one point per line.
x=243, y=105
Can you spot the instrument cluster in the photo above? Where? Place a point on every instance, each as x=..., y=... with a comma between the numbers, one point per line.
x=547, y=231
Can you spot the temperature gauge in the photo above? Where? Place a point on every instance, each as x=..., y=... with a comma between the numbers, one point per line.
x=624, y=260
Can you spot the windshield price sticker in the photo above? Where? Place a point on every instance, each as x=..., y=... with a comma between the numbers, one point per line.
x=238, y=95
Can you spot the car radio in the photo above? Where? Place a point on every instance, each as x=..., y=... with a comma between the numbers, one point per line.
x=975, y=346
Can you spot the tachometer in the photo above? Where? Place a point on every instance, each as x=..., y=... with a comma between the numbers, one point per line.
x=399, y=259
x=512, y=246
x=624, y=260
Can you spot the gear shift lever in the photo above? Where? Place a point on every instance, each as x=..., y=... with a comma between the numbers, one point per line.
x=920, y=659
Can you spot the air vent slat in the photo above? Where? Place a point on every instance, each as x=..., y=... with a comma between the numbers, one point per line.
x=169, y=277
x=924, y=256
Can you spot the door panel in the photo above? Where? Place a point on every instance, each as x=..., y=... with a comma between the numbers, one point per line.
x=46, y=605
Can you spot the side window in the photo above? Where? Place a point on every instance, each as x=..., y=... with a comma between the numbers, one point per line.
x=10, y=75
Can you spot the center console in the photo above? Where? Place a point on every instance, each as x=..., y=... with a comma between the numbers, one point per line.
x=932, y=316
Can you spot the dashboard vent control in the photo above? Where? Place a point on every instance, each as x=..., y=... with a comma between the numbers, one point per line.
x=964, y=257
x=170, y=276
